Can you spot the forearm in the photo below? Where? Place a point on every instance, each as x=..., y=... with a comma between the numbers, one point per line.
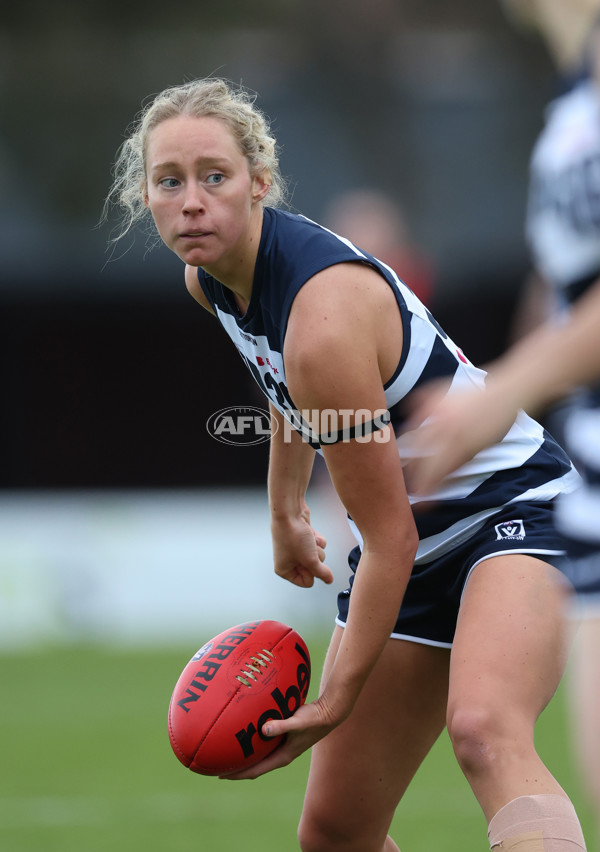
x=290, y=467
x=369, y=480
x=552, y=361
x=377, y=594
x=298, y=549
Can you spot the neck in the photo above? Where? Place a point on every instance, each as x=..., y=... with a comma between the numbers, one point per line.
x=236, y=271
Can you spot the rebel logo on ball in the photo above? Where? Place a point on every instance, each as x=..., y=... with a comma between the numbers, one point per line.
x=286, y=705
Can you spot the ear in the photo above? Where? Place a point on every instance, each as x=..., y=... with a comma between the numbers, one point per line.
x=261, y=184
x=145, y=196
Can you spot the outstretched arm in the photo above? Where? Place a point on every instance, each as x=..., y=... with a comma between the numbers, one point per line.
x=543, y=367
x=553, y=360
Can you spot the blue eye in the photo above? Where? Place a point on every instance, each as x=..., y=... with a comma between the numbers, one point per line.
x=215, y=178
x=169, y=183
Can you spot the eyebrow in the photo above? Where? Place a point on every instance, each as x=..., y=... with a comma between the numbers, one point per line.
x=170, y=164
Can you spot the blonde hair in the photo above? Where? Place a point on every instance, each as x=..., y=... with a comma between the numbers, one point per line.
x=213, y=97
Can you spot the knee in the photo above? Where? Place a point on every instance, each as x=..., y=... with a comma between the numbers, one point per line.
x=309, y=838
x=314, y=835
x=318, y=832
x=480, y=738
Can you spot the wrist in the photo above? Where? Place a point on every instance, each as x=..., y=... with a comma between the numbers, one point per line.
x=286, y=509
x=339, y=696
x=537, y=386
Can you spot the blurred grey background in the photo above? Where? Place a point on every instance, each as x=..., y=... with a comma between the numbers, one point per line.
x=110, y=371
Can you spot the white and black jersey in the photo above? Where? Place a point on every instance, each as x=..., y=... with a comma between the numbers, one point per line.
x=527, y=465
x=563, y=215
x=563, y=227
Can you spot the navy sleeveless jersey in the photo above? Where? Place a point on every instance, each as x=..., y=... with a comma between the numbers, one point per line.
x=526, y=465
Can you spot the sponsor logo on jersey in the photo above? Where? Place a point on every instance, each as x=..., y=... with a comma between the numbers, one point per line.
x=248, y=337
x=262, y=361
x=508, y=530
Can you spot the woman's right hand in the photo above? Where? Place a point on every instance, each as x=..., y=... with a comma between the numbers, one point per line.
x=299, y=550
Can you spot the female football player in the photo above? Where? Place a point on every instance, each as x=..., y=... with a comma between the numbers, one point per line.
x=453, y=610
x=563, y=227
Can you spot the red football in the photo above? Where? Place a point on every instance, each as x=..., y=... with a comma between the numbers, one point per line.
x=250, y=673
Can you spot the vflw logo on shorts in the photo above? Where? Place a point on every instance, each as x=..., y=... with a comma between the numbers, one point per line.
x=514, y=530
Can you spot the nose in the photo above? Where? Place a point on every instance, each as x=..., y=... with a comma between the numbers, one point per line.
x=193, y=200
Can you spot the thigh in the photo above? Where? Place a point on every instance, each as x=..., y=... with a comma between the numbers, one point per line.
x=359, y=772
x=584, y=695
x=509, y=649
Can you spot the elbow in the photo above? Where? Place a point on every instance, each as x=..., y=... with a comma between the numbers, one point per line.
x=399, y=545
x=409, y=536
x=410, y=543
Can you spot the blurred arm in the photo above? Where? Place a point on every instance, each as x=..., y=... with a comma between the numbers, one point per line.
x=544, y=366
x=552, y=361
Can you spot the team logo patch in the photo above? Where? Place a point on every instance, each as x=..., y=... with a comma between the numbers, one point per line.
x=514, y=530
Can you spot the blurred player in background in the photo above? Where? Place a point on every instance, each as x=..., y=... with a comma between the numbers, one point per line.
x=374, y=221
x=452, y=615
x=563, y=228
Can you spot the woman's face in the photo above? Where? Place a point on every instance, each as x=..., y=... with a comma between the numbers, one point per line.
x=200, y=191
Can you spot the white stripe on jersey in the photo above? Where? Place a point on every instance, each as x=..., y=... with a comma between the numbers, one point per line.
x=423, y=336
x=522, y=441
x=436, y=545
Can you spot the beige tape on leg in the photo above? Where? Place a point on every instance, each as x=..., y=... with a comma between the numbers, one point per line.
x=543, y=823
x=531, y=841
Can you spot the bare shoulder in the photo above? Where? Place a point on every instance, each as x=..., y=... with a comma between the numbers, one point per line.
x=345, y=314
x=194, y=289
x=343, y=293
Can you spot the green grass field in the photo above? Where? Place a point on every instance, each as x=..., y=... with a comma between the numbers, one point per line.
x=87, y=766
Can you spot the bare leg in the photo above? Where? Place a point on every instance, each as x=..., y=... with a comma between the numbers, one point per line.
x=507, y=660
x=360, y=771
x=585, y=701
